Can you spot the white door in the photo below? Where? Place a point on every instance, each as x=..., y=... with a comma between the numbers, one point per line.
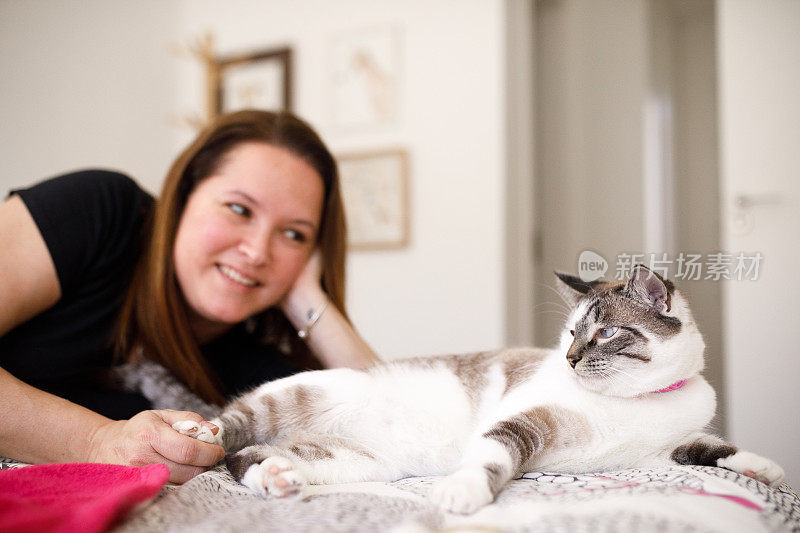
x=759, y=98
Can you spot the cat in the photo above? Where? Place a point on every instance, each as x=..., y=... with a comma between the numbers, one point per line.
x=621, y=390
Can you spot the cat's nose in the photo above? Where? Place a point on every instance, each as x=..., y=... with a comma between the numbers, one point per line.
x=573, y=359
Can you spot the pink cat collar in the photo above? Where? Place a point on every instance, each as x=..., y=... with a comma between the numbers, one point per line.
x=675, y=386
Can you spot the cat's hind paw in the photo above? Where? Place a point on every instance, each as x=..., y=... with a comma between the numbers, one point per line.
x=276, y=476
x=463, y=492
x=197, y=430
x=754, y=466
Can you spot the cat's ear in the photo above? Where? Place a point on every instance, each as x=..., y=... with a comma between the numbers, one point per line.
x=572, y=287
x=649, y=287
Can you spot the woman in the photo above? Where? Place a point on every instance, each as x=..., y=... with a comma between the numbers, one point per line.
x=224, y=259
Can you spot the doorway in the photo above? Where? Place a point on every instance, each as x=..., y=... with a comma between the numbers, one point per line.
x=626, y=149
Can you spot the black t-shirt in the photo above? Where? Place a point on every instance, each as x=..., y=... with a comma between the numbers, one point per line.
x=92, y=223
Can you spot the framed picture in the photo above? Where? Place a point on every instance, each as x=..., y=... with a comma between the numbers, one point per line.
x=375, y=193
x=260, y=80
x=364, y=77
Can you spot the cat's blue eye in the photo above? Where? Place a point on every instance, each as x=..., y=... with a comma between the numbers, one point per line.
x=606, y=333
x=239, y=209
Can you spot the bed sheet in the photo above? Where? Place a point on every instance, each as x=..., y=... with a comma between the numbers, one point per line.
x=678, y=498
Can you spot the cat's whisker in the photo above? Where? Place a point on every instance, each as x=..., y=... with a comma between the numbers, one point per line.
x=621, y=376
x=558, y=307
x=553, y=312
x=556, y=304
x=559, y=310
x=568, y=305
x=627, y=379
x=620, y=371
x=605, y=377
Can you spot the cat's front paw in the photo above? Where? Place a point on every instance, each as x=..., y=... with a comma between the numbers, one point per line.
x=754, y=466
x=198, y=431
x=276, y=476
x=463, y=492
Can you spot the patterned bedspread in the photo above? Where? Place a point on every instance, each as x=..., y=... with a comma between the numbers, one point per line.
x=678, y=498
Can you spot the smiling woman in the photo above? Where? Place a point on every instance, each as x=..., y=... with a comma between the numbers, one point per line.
x=212, y=280
x=245, y=235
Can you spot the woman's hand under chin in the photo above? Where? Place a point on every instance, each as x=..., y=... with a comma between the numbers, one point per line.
x=306, y=292
x=332, y=340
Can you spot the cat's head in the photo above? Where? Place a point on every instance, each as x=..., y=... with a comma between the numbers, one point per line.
x=629, y=337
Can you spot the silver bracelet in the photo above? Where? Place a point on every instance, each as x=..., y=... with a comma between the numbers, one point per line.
x=313, y=317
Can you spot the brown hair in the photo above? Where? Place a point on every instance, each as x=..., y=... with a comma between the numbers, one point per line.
x=154, y=315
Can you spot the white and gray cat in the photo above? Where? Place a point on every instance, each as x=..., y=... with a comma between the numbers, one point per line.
x=622, y=390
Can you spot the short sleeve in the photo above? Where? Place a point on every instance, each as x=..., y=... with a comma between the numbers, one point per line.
x=87, y=220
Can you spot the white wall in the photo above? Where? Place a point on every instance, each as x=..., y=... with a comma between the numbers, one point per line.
x=444, y=292
x=94, y=83
x=87, y=83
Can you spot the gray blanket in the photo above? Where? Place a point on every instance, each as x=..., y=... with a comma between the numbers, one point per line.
x=678, y=498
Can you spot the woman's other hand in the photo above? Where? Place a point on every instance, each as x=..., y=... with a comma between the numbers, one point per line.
x=309, y=282
x=148, y=438
x=333, y=339
x=306, y=293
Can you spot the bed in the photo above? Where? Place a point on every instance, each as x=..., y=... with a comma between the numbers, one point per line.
x=678, y=498
x=675, y=498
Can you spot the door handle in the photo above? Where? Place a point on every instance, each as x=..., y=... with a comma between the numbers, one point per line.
x=747, y=201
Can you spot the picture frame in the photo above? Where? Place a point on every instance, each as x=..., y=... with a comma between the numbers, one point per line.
x=364, y=69
x=375, y=194
x=260, y=80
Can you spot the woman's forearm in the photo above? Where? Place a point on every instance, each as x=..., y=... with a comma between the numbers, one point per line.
x=39, y=427
x=332, y=339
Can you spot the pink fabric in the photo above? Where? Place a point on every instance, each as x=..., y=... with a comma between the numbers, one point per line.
x=74, y=497
x=674, y=386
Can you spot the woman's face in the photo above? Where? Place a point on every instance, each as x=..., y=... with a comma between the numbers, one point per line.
x=245, y=234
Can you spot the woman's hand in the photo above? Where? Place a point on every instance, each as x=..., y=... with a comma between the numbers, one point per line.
x=306, y=292
x=148, y=438
x=308, y=285
x=333, y=339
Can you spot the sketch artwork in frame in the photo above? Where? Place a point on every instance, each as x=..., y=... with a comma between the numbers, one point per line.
x=375, y=194
x=364, y=77
x=259, y=80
